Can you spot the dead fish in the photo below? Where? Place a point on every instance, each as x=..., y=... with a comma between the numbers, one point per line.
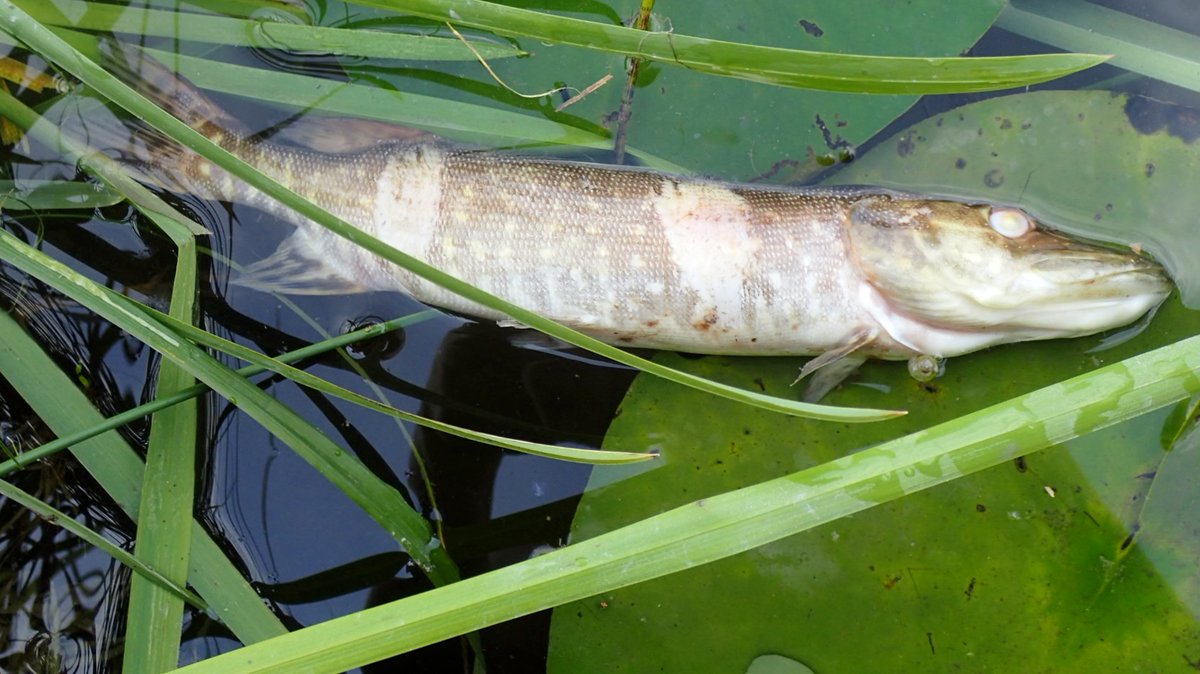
x=640, y=258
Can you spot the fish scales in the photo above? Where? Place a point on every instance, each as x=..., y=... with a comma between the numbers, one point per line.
x=640, y=258
x=632, y=256
x=644, y=259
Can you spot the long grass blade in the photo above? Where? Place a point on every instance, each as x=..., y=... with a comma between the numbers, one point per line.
x=772, y=65
x=45, y=195
x=1137, y=45
x=718, y=527
x=577, y=455
x=51, y=514
x=117, y=468
x=278, y=10
x=95, y=16
x=21, y=26
x=378, y=499
x=162, y=402
x=155, y=615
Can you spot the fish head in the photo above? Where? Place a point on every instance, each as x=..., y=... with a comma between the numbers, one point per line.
x=972, y=275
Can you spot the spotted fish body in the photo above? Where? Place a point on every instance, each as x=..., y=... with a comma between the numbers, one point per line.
x=640, y=258
x=630, y=256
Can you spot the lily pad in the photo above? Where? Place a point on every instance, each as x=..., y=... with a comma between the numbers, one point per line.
x=684, y=115
x=1026, y=566
x=1078, y=558
x=1092, y=163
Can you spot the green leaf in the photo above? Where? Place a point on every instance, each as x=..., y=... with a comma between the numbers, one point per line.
x=948, y=560
x=813, y=70
x=272, y=9
x=155, y=620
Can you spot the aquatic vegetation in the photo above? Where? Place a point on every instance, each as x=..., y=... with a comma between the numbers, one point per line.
x=1041, y=397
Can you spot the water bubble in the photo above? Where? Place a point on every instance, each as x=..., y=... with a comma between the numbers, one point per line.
x=924, y=367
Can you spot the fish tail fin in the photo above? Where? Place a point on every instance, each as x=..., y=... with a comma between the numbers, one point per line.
x=145, y=154
x=170, y=91
x=150, y=155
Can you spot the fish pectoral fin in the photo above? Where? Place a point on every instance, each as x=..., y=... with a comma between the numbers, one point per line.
x=856, y=341
x=537, y=341
x=827, y=378
x=512, y=323
x=293, y=270
x=832, y=367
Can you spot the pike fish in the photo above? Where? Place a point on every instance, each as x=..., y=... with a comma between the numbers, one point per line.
x=640, y=258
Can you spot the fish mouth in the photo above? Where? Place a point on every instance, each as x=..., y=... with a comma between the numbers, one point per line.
x=1060, y=290
x=1085, y=291
x=1070, y=305
x=1045, y=293
x=1080, y=263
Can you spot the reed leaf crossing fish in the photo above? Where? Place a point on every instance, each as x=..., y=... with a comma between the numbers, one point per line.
x=640, y=258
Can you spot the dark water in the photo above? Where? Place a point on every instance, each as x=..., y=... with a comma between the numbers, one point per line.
x=311, y=553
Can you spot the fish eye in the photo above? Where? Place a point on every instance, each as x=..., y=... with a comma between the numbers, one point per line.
x=1009, y=222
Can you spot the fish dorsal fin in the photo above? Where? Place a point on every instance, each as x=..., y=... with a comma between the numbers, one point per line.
x=340, y=135
x=295, y=269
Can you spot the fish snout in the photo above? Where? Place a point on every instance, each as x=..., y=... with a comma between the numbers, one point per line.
x=1103, y=273
x=1093, y=289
